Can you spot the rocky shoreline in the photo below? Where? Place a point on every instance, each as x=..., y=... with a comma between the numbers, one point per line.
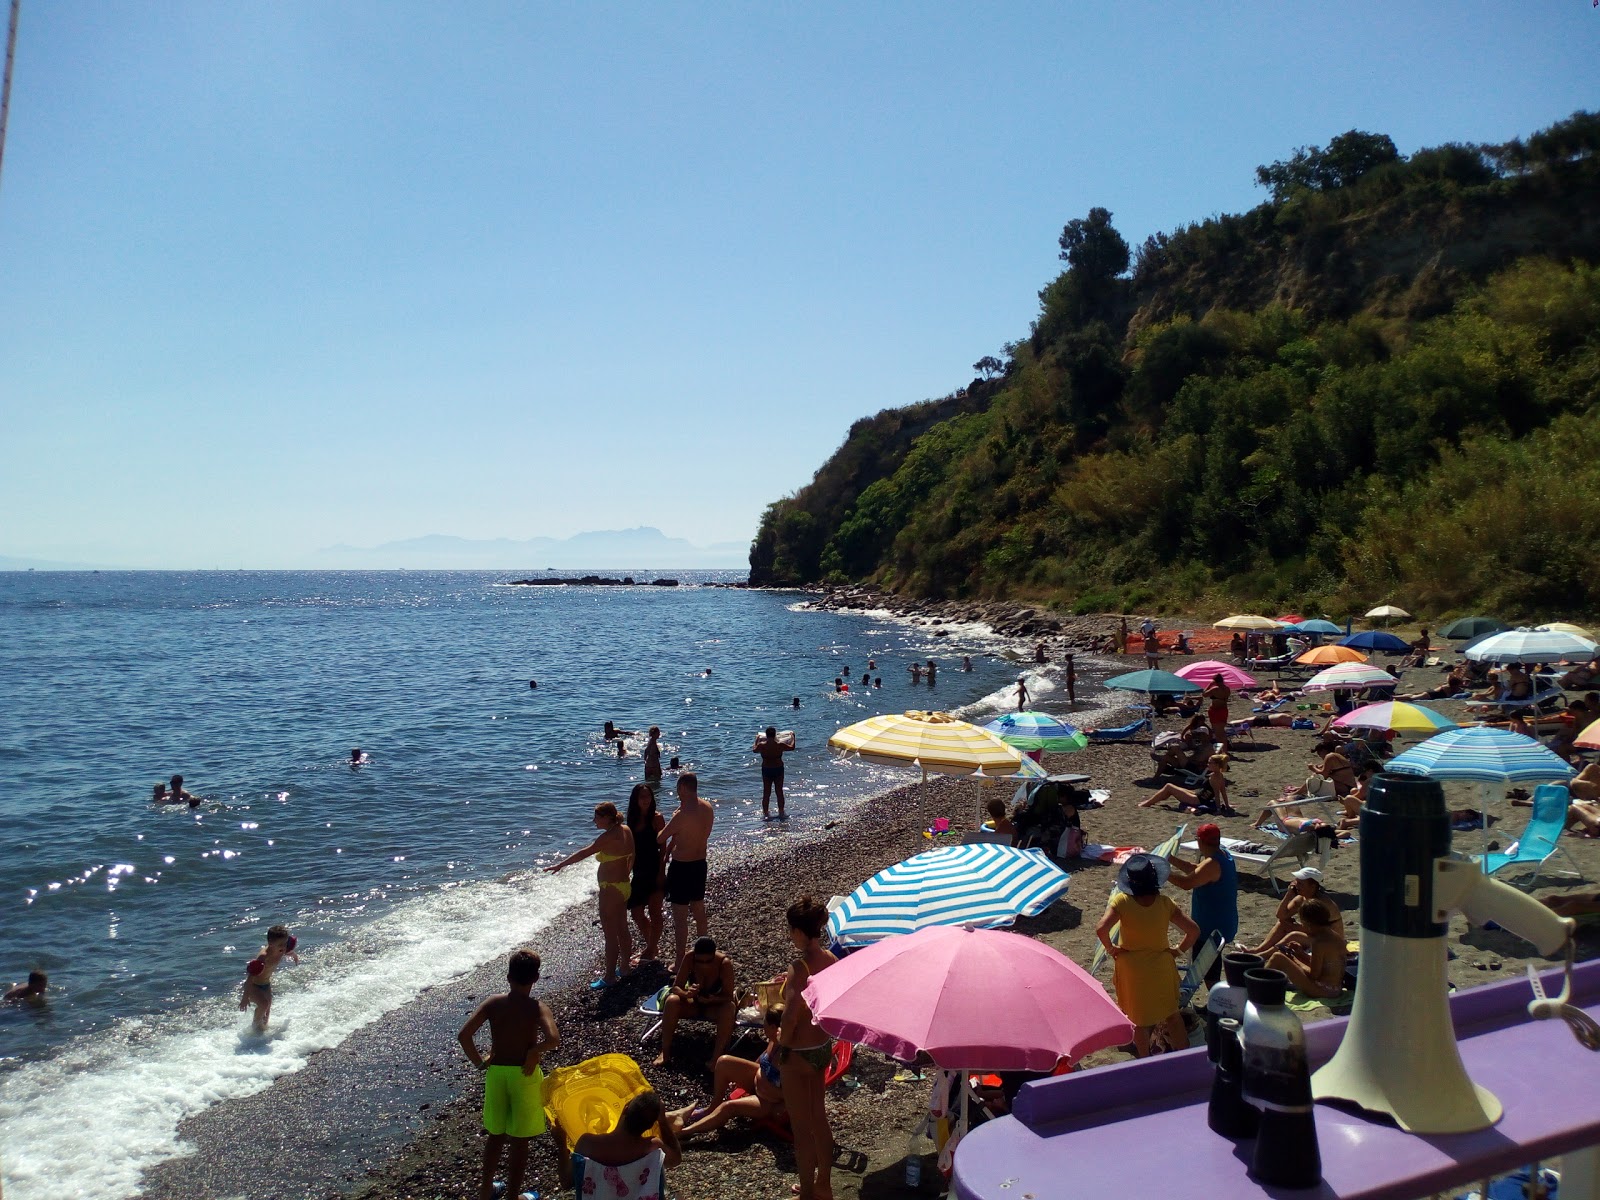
x=1007, y=618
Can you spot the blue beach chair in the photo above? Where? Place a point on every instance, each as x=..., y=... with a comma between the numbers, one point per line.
x=1540, y=839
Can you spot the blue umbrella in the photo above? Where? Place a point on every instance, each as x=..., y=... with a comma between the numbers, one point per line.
x=1151, y=681
x=1376, y=639
x=979, y=886
x=1317, y=625
x=1482, y=753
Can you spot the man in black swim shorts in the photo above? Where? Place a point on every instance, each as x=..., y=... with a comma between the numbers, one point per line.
x=683, y=841
x=772, y=750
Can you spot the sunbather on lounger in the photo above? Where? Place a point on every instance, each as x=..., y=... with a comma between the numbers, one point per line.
x=1454, y=684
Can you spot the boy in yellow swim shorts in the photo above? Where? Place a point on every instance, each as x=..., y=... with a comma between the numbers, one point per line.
x=522, y=1030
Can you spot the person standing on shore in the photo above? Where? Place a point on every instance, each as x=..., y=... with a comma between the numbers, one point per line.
x=1213, y=884
x=613, y=850
x=1072, y=681
x=522, y=1030
x=647, y=888
x=683, y=844
x=1022, y=693
x=804, y=1052
x=772, y=749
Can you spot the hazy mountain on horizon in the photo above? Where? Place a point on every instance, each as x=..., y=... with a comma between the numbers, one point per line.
x=643, y=548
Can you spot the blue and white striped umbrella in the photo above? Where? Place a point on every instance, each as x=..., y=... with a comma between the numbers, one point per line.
x=1529, y=645
x=980, y=886
x=1482, y=753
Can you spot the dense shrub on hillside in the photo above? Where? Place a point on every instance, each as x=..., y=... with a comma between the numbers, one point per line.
x=1428, y=435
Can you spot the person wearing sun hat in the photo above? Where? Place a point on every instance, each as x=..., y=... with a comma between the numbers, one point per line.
x=1214, y=884
x=1145, y=974
x=1307, y=886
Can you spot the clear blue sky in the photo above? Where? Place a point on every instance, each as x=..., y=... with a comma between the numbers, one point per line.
x=278, y=276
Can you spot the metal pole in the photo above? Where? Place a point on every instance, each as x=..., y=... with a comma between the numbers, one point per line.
x=5, y=87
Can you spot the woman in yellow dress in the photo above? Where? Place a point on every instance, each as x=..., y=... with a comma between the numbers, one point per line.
x=1146, y=975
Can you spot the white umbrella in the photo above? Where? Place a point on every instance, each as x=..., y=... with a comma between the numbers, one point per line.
x=1249, y=621
x=1350, y=675
x=1386, y=612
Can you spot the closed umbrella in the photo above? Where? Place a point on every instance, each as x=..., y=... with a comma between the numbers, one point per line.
x=1206, y=670
x=1397, y=716
x=1530, y=645
x=1376, y=640
x=1248, y=621
x=1151, y=681
x=1037, y=731
x=1463, y=628
x=1329, y=656
x=1348, y=676
x=934, y=741
x=978, y=886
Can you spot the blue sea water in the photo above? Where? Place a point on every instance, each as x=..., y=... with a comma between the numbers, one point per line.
x=398, y=874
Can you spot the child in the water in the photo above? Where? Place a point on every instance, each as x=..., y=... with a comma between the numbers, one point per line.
x=257, y=989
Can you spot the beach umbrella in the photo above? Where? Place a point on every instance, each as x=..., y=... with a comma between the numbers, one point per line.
x=1589, y=739
x=1151, y=681
x=978, y=886
x=1463, y=628
x=1317, y=625
x=1376, y=640
x=1204, y=671
x=1328, y=656
x=1566, y=627
x=1386, y=612
x=1529, y=645
x=971, y=999
x=934, y=741
x=1348, y=676
x=1248, y=622
x=1290, y=619
x=1483, y=753
x=1398, y=716
x=1037, y=731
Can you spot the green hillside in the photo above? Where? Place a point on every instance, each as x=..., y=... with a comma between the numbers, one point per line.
x=1379, y=383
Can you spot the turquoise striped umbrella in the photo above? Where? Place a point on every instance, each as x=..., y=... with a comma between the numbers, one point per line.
x=1482, y=753
x=979, y=886
x=1037, y=731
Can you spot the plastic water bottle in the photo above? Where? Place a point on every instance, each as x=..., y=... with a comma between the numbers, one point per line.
x=919, y=1145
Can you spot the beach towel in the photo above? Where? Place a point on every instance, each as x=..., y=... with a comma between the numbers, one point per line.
x=1301, y=1002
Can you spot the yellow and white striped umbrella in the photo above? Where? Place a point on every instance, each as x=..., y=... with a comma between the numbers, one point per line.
x=935, y=741
x=1567, y=627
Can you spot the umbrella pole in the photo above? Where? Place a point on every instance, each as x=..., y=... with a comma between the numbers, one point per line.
x=1483, y=808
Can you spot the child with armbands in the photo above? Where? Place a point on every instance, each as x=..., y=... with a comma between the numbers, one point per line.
x=257, y=989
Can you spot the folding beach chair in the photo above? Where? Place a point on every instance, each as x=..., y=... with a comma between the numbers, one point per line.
x=746, y=1021
x=1200, y=960
x=642, y=1179
x=1540, y=840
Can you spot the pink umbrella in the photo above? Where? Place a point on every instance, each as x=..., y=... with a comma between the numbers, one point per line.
x=973, y=999
x=1202, y=673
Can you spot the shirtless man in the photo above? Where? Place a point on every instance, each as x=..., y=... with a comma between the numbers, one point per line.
x=522, y=1030
x=1314, y=960
x=652, y=756
x=258, y=972
x=772, y=751
x=704, y=988
x=683, y=842
x=176, y=794
x=31, y=992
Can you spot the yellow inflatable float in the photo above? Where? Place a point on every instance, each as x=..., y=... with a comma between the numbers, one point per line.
x=589, y=1096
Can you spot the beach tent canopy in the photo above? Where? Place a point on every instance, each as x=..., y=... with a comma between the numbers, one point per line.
x=1037, y=731
x=1464, y=628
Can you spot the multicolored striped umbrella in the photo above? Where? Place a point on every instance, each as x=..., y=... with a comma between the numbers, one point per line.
x=1330, y=656
x=1037, y=731
x=935, y=741
x=1352, y=676
x=1482, y=753
x=979, y=886
x=1396, y=715
x=1530, y=645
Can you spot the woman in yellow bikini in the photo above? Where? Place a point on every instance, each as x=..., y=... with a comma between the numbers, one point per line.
x=613, y=850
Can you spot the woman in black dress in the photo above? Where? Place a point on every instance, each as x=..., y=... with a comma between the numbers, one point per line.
x=648, y=889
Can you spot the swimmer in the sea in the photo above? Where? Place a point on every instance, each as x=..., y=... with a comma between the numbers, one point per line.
x=257, y=989
x=176, y=794
x=159, y=796
x=652, y=755
x=31, y=992
x=356, y=757
x=622, y=748
x=795, y=703
x=613, y=733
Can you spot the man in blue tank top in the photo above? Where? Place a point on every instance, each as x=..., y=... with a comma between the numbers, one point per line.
x=1214, y=881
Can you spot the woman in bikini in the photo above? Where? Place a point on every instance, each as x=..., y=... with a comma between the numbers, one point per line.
x=1211, y=794
x=647, y=888
x=613, y=850
x=804, y=1052
x=1216, y=695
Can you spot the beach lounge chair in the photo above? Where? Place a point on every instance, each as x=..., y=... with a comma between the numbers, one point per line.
x=1549, y=699
x=747, y=1021
x=642, y=1179
x=1121, y=733
x=1540, y=839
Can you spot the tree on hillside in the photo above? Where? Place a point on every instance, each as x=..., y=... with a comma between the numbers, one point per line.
x=1347, y=158
x=988, y=367
x=1093, y=248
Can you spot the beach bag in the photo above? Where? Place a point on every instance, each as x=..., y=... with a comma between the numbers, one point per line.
x=1071, y=843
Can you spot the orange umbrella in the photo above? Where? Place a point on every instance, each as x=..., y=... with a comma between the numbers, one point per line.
x=1589, y=739
x=1328, y=656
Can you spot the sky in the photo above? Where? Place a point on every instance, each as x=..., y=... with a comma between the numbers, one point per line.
x=278, y=277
